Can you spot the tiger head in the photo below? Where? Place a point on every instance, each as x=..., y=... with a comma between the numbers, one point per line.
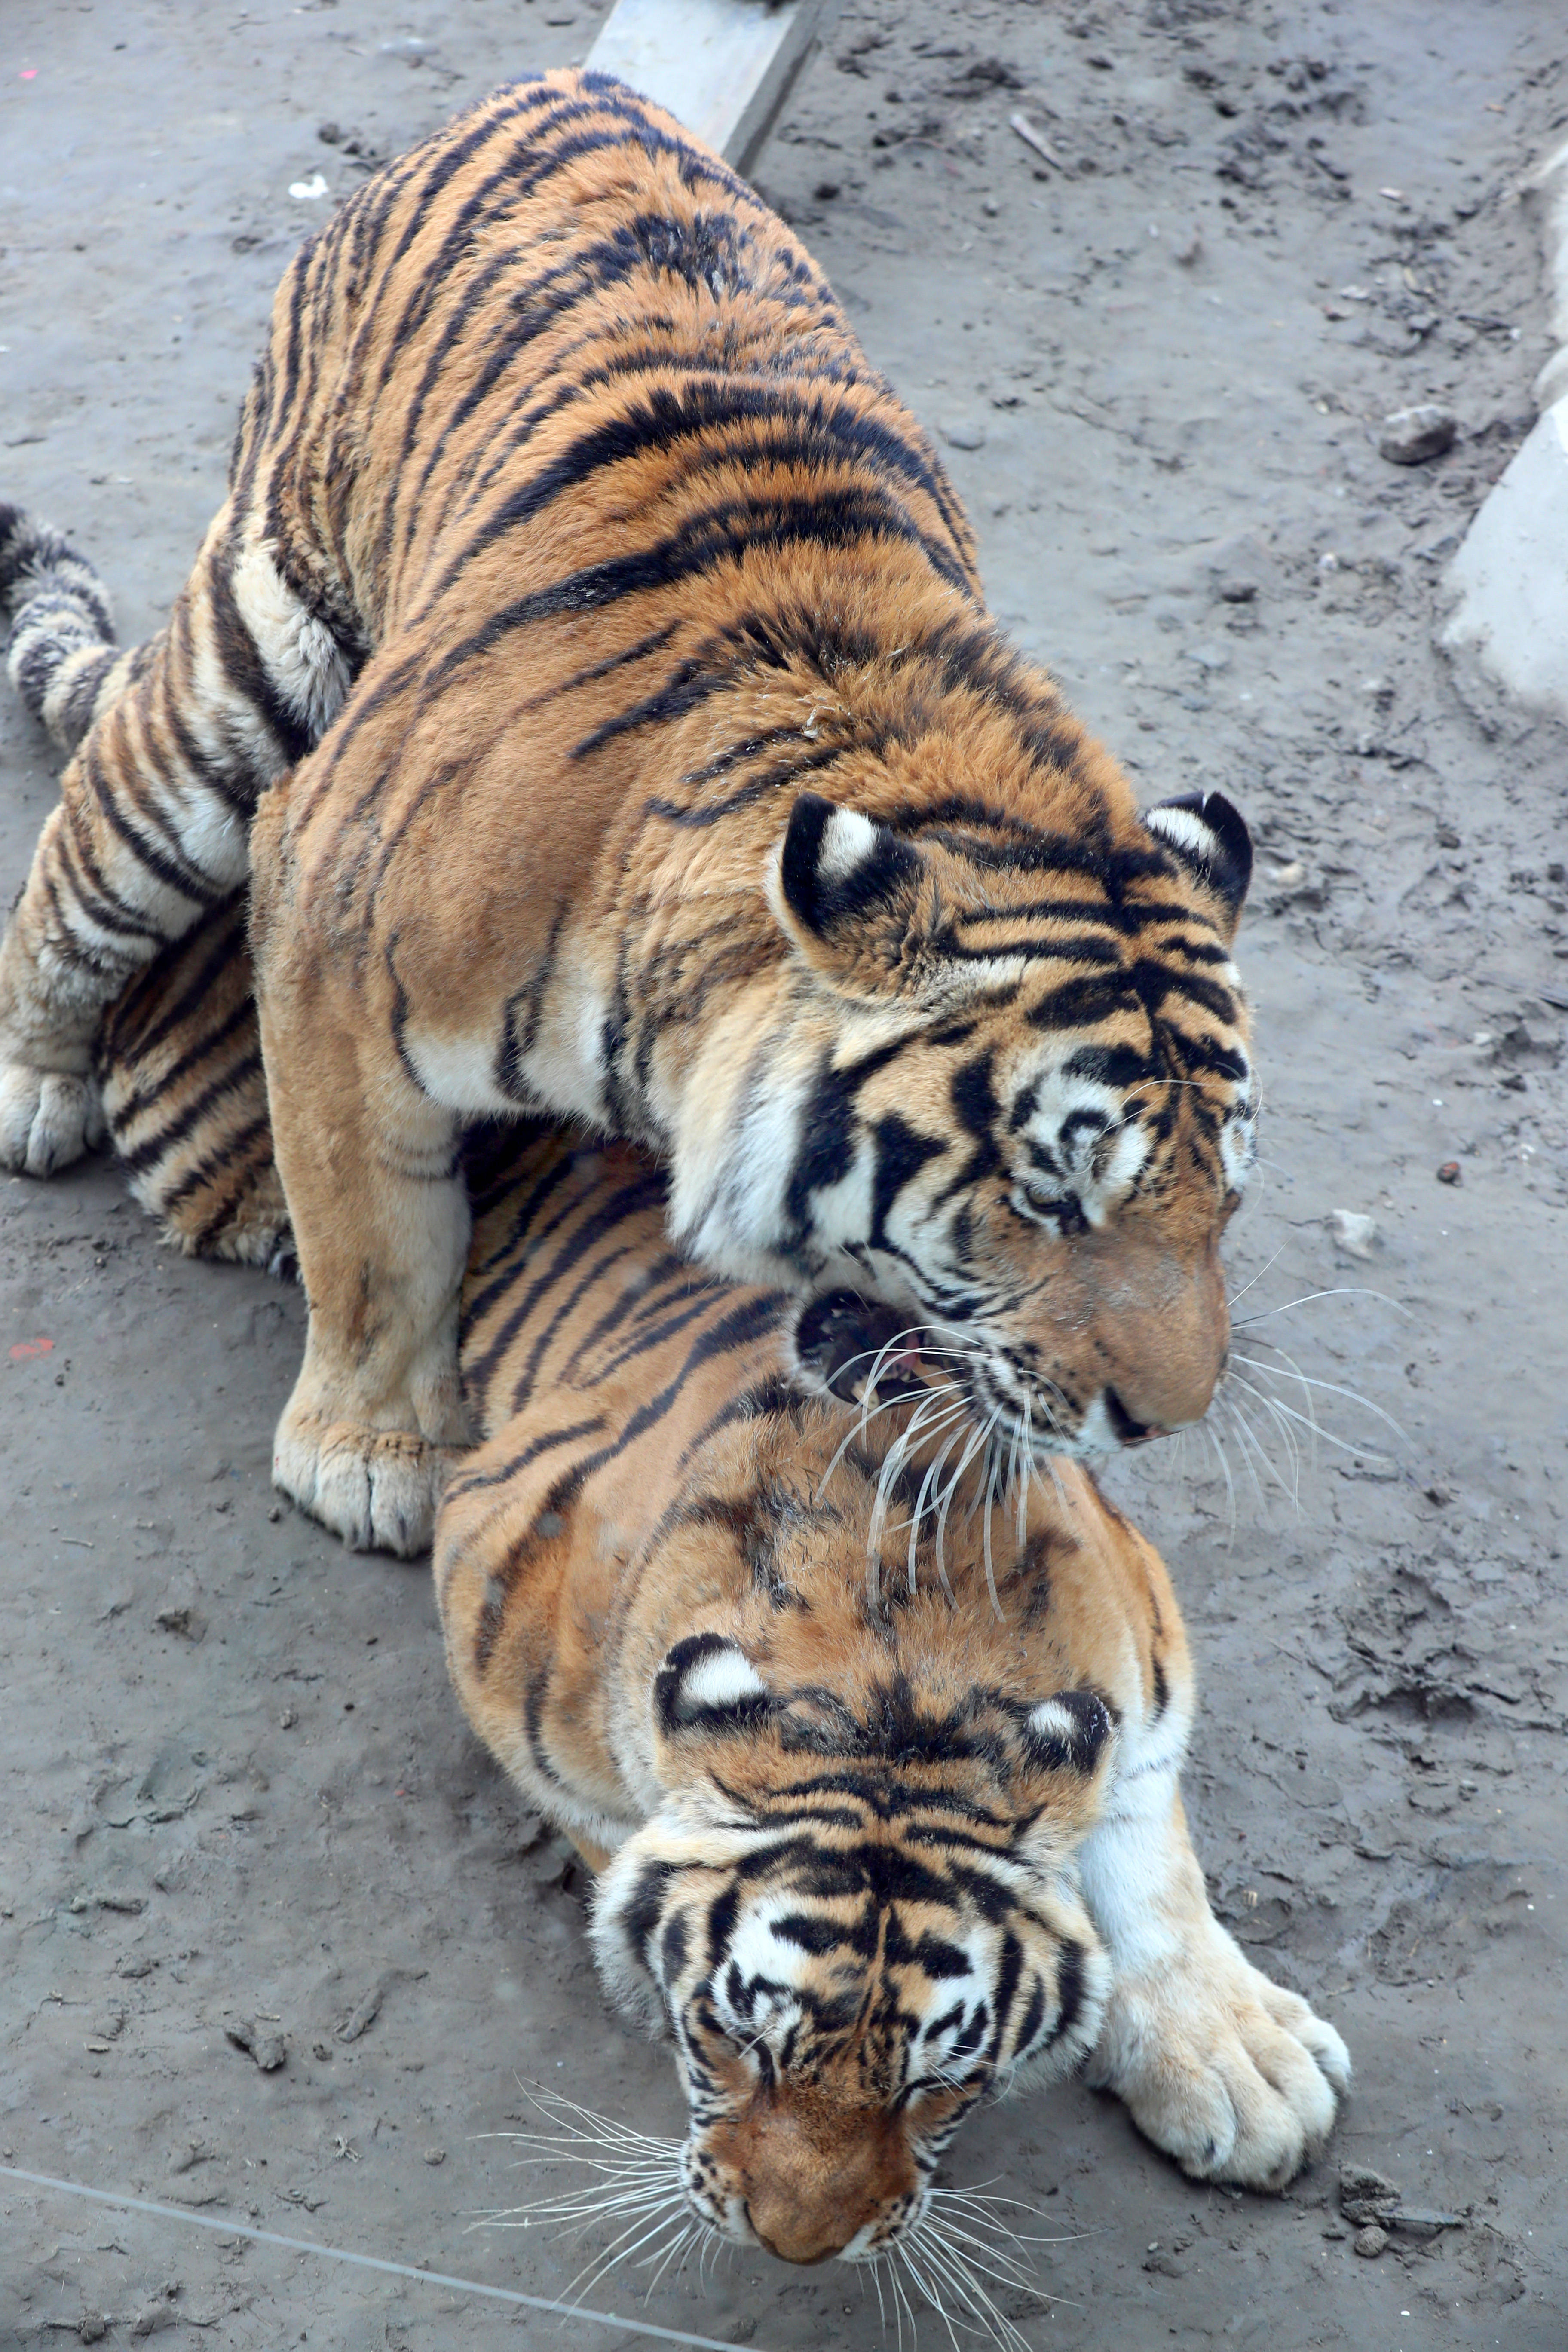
x=855, y=1922
x=1017, y=1104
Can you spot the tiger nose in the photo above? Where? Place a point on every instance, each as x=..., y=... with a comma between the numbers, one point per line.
x=1129, y=1429
x=795, y=2235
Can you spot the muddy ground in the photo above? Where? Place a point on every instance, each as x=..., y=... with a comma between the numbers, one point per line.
x=237, y=1793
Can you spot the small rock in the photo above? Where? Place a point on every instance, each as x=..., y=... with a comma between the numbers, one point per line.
x=1209, y=657
x=1236, y=587
x=1365, y=2196
x=434, y=2156
x=1353, y=1232
x=92, y=2327
x=268, y=2050
x=1451, y=1172
x=361, y=2017
x=1519, y=1047
x=1286, y=878
x=1370, y=2242
x=179, y=1613
x=962, y=432
x=1411, y=436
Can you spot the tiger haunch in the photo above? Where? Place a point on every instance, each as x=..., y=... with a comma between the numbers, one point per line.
x=590, y=665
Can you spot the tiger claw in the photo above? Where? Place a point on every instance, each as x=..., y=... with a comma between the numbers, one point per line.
x=376, y=1489
x=47, y=1118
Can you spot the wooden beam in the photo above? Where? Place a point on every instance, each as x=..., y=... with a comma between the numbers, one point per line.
x=724, y=67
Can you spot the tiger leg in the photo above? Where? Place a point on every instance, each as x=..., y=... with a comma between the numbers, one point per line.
x=1229, y=2073
x=150, y=832
x=371, y=1171
x=178, y=1060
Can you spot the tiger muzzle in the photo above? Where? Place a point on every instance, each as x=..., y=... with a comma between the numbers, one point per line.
x=813, y=2177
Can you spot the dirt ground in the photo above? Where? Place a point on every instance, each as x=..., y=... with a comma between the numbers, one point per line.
x=237, y=1793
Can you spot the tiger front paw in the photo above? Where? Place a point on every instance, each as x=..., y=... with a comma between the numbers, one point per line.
x=47, y=1118
x=375, y=1488
x=1231, y=2074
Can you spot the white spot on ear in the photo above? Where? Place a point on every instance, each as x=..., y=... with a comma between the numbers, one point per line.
x=1184, y=829
x=719, y=1678
x=1052, y=1720
x=848, y=839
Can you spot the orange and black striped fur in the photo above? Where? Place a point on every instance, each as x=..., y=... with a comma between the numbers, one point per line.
x=588, y=674
x=873, y=1847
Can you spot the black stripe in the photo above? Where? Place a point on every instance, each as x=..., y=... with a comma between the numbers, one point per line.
x=719, y=534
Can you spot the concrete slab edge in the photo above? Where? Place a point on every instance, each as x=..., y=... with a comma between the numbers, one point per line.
x=724, y=67
x=1509, y=579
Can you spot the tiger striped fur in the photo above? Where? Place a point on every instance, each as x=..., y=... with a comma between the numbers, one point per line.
x=867, y=1860
x=177, y=1062
x=588, y=671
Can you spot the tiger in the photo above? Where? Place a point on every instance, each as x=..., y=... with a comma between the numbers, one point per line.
x=876, y=1838
x=885, y=1820
x=586, y=688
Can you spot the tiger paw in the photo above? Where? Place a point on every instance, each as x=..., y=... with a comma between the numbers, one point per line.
x=1232, y=2075
x=47, y=1118
x=375, y=1488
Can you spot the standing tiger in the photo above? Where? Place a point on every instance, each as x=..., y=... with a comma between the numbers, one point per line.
x=870, y=1848
x=587, y=674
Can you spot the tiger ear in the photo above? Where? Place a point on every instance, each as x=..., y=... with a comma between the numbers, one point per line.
x=1067, y=1733
x=1209, y=835
x=707, y=1684
x=850, y=893
x=1069, y=1742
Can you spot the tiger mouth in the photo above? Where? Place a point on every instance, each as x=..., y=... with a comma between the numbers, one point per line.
x=859, y=1347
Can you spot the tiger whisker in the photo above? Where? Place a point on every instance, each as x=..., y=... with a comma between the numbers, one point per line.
x=680, y=2244
x=861, y=1428
x=1257, y=1277
x=946, y=2270
x=990, y=1570
x=909, y=1331
x=933, y=1471
x=1339, y=1290
x=976, y=1439
x=1014, y=2275
x=1009, y=2271
x=1307, y=1406
x=1247, y=1439
x=545, y=2097
x=614, y=2255
x=1287, y=1434
x=1214, y=1436
x=1332, y=1388
x=927, y=2295
x=1326, y=1436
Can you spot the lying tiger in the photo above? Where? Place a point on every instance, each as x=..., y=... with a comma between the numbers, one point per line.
x=587, y=674
x=871, y=1849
